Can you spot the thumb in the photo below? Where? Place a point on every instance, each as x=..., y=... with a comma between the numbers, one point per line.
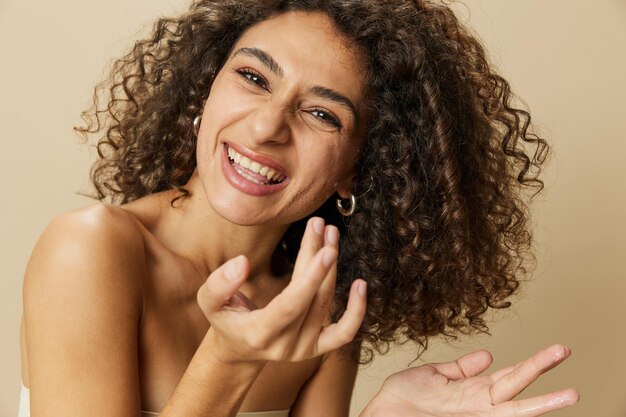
x=222, y=284
x=466, y=366
x=475, y=363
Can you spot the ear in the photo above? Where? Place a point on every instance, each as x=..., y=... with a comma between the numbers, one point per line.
x=346, y=186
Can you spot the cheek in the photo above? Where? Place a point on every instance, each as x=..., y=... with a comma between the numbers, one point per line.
x=226, y=101
x=326, y=169
x=219, y=106
x=339, y=160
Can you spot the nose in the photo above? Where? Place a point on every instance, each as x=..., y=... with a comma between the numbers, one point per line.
x=268, y=124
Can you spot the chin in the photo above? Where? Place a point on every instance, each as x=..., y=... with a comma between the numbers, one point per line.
x=240, y=210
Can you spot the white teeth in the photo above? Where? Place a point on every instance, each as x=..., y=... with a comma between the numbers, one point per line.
x=248, y=177
x=254, y=166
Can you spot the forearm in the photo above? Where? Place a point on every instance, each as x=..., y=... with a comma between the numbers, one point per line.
x=210, y=387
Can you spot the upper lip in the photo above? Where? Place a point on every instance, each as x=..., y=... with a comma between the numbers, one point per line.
x=262, y=159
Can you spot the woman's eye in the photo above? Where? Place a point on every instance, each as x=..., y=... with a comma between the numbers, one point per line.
x=326, y=117
x=253, y=78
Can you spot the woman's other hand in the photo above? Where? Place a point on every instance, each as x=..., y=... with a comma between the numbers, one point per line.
x=291, y=326
x=457, y=389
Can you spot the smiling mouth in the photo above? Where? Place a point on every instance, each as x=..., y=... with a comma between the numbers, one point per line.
x=252, y=170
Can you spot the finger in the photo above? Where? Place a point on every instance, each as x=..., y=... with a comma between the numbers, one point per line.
x=331, y=236
x=342, y=332
x=330, y=239
x=320, y=306
x=502, y=372
x=222, y=284
x=537, y=406
x=296, y=298
x=466, y=366
x=505, y=371
x=514, y=382
x=314, y=319
x=312, y=242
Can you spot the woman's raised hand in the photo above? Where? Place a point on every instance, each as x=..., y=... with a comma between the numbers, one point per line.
x=457, y=389
x=291, y=326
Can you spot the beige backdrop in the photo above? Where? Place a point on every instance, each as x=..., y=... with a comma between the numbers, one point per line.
x=566, y=58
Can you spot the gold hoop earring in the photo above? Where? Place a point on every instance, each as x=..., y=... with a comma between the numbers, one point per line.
x=196, y=124
x=349, y=211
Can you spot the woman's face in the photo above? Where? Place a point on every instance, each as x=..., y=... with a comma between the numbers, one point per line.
x=289, y=101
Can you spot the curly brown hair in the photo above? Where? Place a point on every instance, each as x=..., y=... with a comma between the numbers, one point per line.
x=440, y=233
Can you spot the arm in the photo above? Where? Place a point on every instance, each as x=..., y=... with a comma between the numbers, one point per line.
x=328, y=392
x=211, y=387
x=242, y=339
x=82, y=304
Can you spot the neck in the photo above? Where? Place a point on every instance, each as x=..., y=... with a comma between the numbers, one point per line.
x=208, y=240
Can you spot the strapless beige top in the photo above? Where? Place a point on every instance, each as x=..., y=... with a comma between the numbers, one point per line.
x=24, y=410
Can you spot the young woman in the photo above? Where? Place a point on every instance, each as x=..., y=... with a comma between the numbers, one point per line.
x=296, y=183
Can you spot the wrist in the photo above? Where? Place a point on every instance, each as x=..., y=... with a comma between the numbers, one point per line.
x=212, y=386
x=224, y=355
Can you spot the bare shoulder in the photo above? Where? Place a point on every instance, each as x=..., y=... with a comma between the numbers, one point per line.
x=97, y=224
x=82, y=302
x=99, y=243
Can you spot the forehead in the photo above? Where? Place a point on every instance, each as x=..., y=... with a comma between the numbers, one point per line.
x=309, y=46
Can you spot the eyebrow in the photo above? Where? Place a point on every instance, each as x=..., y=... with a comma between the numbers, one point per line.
x=338, y=98
x=322, y=92
x=262, y=56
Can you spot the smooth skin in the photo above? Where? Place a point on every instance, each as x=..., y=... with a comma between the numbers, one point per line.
x=147, y=307
x=458, y=388
x=291, y=327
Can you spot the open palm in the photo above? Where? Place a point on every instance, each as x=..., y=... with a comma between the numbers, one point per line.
x=458, y=389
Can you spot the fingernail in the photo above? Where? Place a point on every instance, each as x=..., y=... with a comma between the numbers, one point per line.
x=362, y=288
x=232, y=269
x=318, y=226
x=560, y=353
x=328, y=257
x=332, y=235
x=565, y=398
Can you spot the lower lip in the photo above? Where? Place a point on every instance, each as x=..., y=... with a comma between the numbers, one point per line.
x=243, y=184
